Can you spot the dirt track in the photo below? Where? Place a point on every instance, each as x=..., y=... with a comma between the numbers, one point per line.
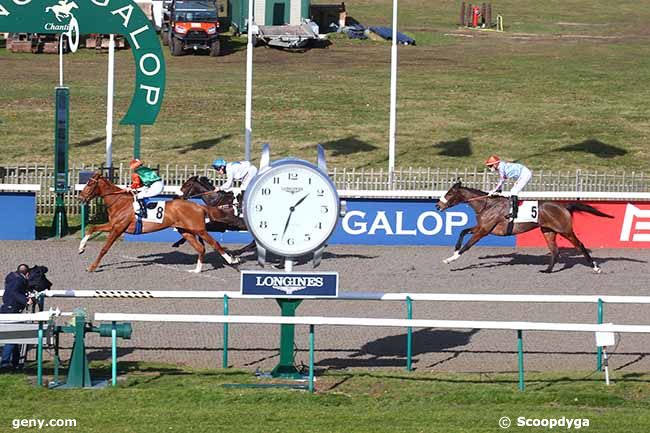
x=405, y=269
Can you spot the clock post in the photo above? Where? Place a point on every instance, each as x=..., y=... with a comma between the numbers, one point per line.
x=291, y=209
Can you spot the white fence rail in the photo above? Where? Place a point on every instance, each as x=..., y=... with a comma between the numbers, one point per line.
x=553, y=184
x=355, y=296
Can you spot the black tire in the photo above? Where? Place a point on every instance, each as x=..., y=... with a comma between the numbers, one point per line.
x=175, y=46
x=165, y=38
x=215, y=48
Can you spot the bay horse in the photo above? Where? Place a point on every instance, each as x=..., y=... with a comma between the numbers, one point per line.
x=220, y=209
x=553, y=218
x=186, y=216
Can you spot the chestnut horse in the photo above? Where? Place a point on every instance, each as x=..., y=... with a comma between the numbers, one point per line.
x=554, y=218
x=186, y=216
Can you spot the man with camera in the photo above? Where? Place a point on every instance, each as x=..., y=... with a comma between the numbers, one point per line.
x=16, y=298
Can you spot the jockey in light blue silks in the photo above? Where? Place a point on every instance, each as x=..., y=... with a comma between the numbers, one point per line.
x=509, y=170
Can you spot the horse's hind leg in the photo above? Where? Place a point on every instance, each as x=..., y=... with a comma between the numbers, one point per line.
x=249, y=247
x=198, y=246
x=549, y=236
x=214, y=244
x=580, y=247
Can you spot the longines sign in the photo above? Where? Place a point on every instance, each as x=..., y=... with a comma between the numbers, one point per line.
x=290, y=284
x=74, y=17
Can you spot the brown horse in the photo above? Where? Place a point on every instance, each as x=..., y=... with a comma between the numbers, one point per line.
x=220, y=209
x=186, y=216
x=554, y=218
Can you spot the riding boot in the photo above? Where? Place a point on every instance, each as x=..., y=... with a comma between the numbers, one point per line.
x=514, y=203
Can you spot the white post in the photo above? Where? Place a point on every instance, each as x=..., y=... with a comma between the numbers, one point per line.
x=393, y=98
x=61, y=60
x=249, y=83
x=109, y=102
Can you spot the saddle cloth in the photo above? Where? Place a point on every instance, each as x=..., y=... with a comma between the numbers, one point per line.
x=528, y=212
x=155, y=210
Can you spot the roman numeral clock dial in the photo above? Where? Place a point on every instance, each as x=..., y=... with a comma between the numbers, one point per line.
x=291, y=208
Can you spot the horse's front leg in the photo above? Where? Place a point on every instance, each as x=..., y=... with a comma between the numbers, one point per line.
x=89, y=234
x=112, y=237
x=459, y=243
x=477, y=236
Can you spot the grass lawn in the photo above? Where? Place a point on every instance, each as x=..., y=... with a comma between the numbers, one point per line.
x=159, y=398
x=562, y=88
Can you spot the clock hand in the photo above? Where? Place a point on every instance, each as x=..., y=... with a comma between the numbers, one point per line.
x=291, y=209
x=299, y=201
x=287, y=224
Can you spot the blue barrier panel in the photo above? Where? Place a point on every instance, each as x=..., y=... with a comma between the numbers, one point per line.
x=379, y=222
x=18, y=216
x=406, y=222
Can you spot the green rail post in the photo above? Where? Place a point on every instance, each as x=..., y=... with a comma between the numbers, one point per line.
x=114, y=354
x=409, y=334
x=286, y=366
x=224, y=358
x=520, y=349
x=83, y=219
x=311, y=358
x=56, y=358
x=599, y=361
x=39, y=356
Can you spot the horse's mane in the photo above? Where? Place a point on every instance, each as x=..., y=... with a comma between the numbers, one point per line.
x=205, y=182
x=474, y=190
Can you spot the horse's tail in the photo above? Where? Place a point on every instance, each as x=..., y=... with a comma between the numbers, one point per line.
x=581, y=207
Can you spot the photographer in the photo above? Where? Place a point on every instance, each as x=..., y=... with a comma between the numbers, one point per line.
x=14, y=301
x=16, y=298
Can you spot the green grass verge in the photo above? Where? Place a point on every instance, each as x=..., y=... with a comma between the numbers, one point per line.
x=562, y=88
x=163, y=398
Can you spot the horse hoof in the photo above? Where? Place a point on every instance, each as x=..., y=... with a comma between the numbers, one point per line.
x=82, y=251
x=236, y=260
x=194, y=271
x=452, y=258
x=597, y=270
x=90, y=269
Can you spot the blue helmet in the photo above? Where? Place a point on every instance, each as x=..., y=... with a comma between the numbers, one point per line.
x=218, y=164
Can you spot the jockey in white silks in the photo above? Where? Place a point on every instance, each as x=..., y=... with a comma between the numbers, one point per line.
x=509, y=170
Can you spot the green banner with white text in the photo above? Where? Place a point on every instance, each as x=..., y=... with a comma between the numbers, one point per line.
x=74, y=17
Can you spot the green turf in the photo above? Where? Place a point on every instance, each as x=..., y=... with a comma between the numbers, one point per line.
x=164, y=398
x=562, y=88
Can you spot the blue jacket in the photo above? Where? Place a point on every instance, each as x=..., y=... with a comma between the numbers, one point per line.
x=14, y=299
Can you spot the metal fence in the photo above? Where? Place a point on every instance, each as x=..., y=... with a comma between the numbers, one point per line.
x=344, y=178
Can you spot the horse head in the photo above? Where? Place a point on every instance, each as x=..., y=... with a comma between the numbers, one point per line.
x=91, y=190
x=196, y=185
x=452, y=197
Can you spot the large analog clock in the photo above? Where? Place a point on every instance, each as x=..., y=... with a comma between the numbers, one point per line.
x=291, y=209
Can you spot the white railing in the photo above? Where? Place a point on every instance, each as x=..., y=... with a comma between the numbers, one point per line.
x=355, y=296
x=20, y=187
x=550, y=184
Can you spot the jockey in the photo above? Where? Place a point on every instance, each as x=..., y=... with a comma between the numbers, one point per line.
x=509, y=170
x=242, y=171
x=144, y=183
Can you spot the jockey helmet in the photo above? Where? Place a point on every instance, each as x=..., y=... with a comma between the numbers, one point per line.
x=135, y=163
x=219, y=164
x=492, y=160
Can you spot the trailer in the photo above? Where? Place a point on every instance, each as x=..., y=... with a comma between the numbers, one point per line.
x=286, y=36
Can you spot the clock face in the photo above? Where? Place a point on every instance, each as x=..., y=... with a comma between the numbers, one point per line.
x=291, y=208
